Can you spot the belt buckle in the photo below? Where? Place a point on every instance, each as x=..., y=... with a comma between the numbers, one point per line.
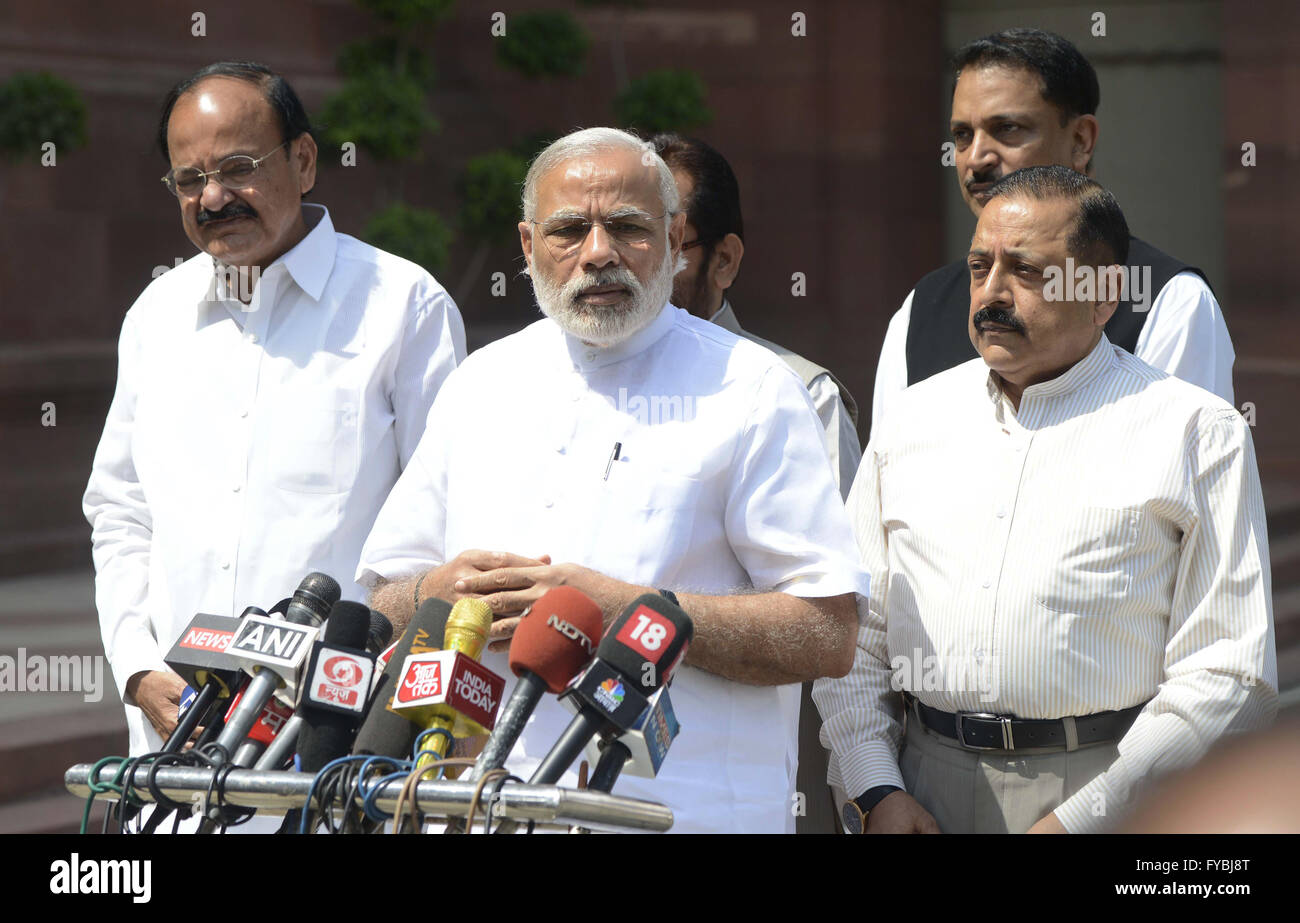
x=1008, y=739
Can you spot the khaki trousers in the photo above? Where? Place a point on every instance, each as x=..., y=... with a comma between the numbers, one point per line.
x=993, y=791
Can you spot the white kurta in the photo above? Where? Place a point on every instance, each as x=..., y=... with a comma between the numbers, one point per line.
x=245, y=448
x=722, y=484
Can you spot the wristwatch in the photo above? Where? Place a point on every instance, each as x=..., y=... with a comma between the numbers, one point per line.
x=854, y=815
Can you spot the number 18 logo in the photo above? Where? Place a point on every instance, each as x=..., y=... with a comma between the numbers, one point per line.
x=647, y=631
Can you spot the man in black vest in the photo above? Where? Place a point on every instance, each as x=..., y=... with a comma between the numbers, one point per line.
x=713, y=249
x=1025, y=97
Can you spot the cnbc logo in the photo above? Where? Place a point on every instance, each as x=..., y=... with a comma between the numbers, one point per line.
x=610, y=694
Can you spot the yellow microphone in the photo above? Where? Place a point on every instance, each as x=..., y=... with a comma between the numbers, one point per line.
x=466, y=633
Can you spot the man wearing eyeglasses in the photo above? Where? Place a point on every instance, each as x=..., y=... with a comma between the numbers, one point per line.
x=622, y=446
x=713, y=250
x=270, y=389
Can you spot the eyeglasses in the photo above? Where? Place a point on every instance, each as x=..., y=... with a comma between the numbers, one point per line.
x=697, y=242
x=234, y=172
x=565, y=236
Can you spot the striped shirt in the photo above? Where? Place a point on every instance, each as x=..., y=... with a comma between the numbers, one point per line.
x=1101, y=547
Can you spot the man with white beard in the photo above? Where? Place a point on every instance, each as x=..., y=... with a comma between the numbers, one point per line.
x=533, y=455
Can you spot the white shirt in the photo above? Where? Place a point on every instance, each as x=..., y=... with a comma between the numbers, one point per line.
x=246, y=448
x=1184, y=336
x=840, y=432
x=1102, y=547
x=721, y=485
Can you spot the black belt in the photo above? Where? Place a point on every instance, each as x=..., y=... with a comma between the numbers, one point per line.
x=984, y=731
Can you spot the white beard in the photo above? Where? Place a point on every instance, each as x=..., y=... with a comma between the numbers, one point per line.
x=604, y=325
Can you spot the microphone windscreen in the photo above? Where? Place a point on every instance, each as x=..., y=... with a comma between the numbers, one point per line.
x=556, y=638
x=647, y=641
x=348, y=625
x=386, y=732
x=312, y=601
x=381, y=632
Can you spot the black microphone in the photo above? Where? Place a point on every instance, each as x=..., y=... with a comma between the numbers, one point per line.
x=637, y=656
x=335, y=693
x=282, y=746
x=386, y=732
x=273, y=653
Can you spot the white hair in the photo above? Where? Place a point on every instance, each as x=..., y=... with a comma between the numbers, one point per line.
x=588, y=141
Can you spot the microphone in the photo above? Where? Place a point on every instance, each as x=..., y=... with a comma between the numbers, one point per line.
x=334, y=698
x=273, y=652
x=385, y=731
x=199, y=656
x=551, y=645
x=636, y=657
x=282, y=747
x=437, y=688
x=639, y=751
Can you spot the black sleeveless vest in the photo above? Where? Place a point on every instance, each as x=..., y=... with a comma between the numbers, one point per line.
x=937, y=337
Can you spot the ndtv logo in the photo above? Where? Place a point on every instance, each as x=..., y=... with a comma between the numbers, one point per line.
x=570, y=631
x=207, y=639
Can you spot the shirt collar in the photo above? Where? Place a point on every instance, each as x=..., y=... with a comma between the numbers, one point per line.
x=593, y=357
x=309, y=263
x=726, y=318
x=312, y=260
x=1077, y=376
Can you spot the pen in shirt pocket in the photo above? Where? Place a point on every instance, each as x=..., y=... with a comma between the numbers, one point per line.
x=613, y=457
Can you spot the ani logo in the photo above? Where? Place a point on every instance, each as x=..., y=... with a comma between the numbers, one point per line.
x=610, y=694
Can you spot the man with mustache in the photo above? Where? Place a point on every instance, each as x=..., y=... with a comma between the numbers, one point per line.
x=270, y=389
x=623, y=446
x=1067, y=554
x=1026, y=97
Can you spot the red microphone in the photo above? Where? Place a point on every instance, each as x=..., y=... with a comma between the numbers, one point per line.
x=552, y=643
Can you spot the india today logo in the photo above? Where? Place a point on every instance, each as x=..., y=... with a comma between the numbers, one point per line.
x=421, y=679
x=475, y=691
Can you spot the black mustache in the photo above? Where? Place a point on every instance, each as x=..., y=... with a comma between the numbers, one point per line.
x=233, y=210
x=985, y=176
x=1000, y=316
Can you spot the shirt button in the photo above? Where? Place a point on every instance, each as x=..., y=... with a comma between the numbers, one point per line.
x=225, y=565
x=987, y=584
x=243, y=414
x=548, y=503
x=1001, y=514
x=235, y=488
x=591, y=357
x=577, y=397
x=252, y=338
